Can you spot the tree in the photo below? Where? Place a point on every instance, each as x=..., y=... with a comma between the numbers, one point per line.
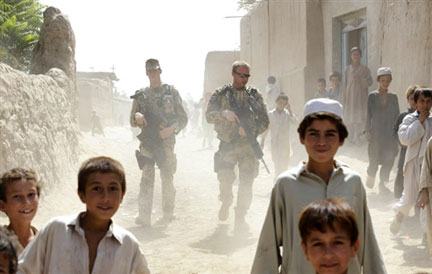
x=248, y=4
x=20, y=22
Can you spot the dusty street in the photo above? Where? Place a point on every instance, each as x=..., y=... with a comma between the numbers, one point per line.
x=196, y=242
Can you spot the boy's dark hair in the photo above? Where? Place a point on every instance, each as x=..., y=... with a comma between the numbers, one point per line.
x=308, y=120
x=323, y=215
x=321, y=80
x=8, y=249
x=100, y=164
x=410, y=90
x=282, y=96
x=17, y=174
x=334, y=74
x=427, y=92
x=271, y=80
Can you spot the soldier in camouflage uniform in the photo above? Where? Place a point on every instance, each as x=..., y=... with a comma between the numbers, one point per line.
x=158, y=111
x=234, y=147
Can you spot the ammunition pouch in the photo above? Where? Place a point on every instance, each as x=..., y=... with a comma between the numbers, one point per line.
x=220, y=163
x=142, y=160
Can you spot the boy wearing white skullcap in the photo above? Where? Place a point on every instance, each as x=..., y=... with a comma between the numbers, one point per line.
x=382, y=112
x=322, y=132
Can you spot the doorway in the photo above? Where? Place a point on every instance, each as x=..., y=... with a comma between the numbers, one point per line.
x=353, y=33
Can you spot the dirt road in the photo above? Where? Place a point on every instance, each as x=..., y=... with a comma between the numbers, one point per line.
x=196, y=242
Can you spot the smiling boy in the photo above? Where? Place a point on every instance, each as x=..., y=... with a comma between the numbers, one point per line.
x=279, y=250
x=19, y=200
x=89, y=242
x=329, y=235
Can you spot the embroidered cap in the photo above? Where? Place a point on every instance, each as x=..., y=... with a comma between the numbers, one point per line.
x=151, y=64
x=323, y=105
x=384, y=71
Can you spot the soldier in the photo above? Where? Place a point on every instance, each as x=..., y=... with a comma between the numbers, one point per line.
x=234, y=148
x=158, y=111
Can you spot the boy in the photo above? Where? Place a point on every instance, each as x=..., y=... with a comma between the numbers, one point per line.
x=280, y=119
x=329, y=235
x=89, y=242
x=425, y=199
x=334, y=91
x=321, y=89
x=355, y=83
x=398, y=185
x=272, y=92
x=382, y=112
x=322, y=133
x=8, y=255
x=19, y=200
x=414, y=132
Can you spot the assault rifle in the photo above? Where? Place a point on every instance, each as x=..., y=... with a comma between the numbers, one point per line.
x=243, y=114
x=151, y=133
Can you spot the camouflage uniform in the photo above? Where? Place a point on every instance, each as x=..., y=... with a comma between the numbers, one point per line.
x=166, y=104
x=233, y=148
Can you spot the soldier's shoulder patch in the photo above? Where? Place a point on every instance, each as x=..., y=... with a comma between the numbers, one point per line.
x=213, y=98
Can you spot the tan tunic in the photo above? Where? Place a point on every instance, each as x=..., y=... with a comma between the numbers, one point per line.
x=61, y=247
x=354, y=93
x=280, y=242
x=426, y=182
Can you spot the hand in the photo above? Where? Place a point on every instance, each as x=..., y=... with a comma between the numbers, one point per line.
x=166, y=132
x=242, y=132
x=230, y=116
x=424, y=198
x=368, y=136
x=423, y=115
x=140, y=119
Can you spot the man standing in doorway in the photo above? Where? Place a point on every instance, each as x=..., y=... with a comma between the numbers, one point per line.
x=158, y=111
x=236, y=110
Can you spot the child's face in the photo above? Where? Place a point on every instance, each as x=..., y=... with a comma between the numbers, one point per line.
x=22, y=201
x=321, y=141
x=335, y=81
x=384, y=82
x=103, y=195
x=281, y=104
x=423, y=103
x=411, y=101
x=321, y=86
x=4, y=264
x=356, y=56
x=330, y=252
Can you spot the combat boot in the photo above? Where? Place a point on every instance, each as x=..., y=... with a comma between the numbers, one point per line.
x=224, y=212
x=240, y=225
x=142, y=221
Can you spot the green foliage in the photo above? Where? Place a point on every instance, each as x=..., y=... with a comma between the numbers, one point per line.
x=20, y=22
x=247, y=5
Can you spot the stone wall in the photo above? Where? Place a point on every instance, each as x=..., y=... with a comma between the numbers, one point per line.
x=37, y=127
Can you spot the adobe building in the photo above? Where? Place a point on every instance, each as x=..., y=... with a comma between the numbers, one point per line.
x=97, y=92
x=217, y=71
x=301, y=41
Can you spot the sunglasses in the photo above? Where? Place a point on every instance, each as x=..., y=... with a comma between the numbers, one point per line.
x=242, y=75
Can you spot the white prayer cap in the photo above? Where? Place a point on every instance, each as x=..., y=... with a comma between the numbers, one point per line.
x=323, y=105
x=384, y=71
